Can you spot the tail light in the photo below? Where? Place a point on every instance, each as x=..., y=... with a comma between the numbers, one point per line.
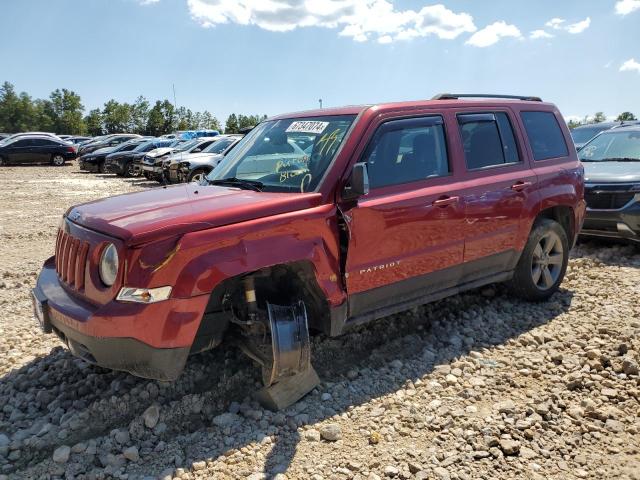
x=71, y=149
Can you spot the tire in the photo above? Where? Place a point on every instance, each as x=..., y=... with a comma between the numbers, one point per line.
x=100, y=167
x=57, y=160
x=543, y=262
x=3, y=162
x=129, y=170
x=197, y=175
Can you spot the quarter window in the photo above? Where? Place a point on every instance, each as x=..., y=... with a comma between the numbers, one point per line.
x=404, y=151
x=545, y=137
x=487, y=139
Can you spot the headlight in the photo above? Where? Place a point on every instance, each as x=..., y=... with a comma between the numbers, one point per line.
x=144, y=295
x=109, y=265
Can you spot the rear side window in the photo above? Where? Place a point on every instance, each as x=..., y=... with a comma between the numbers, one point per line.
x=404, y=151
x=545, y=136
x=487, y=139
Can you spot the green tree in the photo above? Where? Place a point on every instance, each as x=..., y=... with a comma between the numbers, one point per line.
x=232, y=125
x=573, y=123
x=599, y=117
x=207, y=120
x=139, y=115
x=116, y=116
x=67, y=112
x=626, y=116
x=162, y=118
x=93, y=122
x=9, y=113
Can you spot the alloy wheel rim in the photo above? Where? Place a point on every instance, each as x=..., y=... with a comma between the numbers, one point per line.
x=197, y=178
x=547, y=260
x=58, y=160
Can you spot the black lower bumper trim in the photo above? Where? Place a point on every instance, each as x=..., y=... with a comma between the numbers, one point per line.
x=125, y=354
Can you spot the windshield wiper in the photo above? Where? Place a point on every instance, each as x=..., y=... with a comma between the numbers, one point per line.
x=254, y=185
x=621, y=159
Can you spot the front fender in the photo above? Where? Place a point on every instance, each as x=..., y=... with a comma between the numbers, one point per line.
x=199, y=261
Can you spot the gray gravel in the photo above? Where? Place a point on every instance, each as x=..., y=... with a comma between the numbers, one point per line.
x=479, y=385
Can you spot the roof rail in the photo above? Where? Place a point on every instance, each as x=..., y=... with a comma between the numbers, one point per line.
x=455, y=96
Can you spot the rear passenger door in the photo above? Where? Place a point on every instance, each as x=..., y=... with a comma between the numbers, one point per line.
x=497, y=192
x=405, y=236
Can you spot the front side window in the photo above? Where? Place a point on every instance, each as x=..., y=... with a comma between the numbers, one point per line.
x=545, y=137
x=584, y=134
x=487, y=139
x=271, y=153
x=613, y=146
x=408, y=150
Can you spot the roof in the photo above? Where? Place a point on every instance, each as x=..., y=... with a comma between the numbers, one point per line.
x=356, y=109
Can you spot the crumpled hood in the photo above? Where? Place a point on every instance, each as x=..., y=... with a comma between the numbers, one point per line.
x=160, y=213
x=611, y=172
x=158, y=152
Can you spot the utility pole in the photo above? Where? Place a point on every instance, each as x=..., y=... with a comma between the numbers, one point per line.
x=320, y=102
x=174, y=97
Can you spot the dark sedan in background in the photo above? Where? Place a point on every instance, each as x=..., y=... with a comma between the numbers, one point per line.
x=36, y=149
x=612, y=184
x=108, y=141
x=127, y=164
x=94, y=161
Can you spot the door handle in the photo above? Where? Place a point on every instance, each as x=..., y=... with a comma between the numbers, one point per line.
x=446, y=201
x=519, y=186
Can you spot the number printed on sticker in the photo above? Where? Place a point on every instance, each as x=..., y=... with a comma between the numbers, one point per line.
x=308, y=126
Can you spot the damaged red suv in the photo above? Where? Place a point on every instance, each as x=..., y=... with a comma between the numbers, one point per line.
x=318, y=221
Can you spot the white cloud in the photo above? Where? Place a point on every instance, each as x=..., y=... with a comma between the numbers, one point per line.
x=361, y=20
x=539, y=34
x=625, y=7
x=579, y=27
x=630, y=66
x=555, y=23
x=492, y=34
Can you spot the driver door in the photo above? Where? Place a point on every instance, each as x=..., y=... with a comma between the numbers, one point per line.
x=406, y=237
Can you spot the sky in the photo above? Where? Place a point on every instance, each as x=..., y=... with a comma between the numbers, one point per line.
x=276, y=56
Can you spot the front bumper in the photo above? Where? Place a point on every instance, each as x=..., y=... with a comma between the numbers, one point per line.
x=622, y=224
x=151, y=341
x=88, y=166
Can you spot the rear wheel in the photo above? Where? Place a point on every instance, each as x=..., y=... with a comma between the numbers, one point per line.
x=3, y=162
x=543, y=262
x=57, y=160
x=197, y=176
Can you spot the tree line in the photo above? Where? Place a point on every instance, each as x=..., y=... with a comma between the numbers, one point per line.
x=600, y=117
x=63, y=113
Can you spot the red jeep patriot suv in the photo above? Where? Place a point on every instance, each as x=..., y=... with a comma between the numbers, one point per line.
x=315, y=222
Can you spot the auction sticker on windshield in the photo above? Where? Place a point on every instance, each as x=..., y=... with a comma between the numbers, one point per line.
x=307, y=127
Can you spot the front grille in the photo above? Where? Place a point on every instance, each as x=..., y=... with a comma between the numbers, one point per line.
x=71, y=259
x=608, y=200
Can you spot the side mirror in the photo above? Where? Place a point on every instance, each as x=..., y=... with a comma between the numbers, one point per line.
x=358, y=182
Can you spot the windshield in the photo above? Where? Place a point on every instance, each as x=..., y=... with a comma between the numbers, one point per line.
x=618, y=145
x=187, y=145
x=271, y=153
x=219, y=146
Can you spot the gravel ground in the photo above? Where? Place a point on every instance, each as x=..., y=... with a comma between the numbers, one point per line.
x=479, y=385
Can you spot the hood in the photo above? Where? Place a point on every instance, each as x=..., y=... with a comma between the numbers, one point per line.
x=611, y=172
x=158, y=152
x=165, y=212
